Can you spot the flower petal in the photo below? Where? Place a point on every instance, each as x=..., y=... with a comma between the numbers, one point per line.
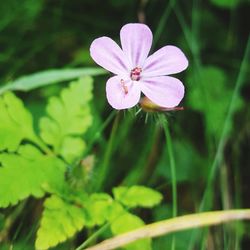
x=165, y=61
x=120, y=96
x=165, y=91
x=136, y=40
x=109, y=55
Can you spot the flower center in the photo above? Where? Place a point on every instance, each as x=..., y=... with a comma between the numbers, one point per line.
x=135, y=74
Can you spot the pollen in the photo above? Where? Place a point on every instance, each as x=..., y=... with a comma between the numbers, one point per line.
x=135, y=74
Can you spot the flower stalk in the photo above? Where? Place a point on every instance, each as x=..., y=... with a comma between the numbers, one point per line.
x=170, y=152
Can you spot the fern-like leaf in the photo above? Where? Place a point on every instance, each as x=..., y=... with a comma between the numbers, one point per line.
x=128, y=222
x=16, y=123
x=137, y=196
x=26, y=172
x=69, y=118
x=60, y=221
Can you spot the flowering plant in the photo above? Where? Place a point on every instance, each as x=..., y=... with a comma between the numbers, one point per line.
x=136, y=72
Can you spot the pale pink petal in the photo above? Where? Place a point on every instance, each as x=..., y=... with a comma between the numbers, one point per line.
x=136, y=40
x=165, y=61
x=109, y=55
x=165, y=91
x=122, y=95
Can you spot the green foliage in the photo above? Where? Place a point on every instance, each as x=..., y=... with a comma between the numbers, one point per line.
x=1, y=222
x=72, y=148
x=27, y=170
x=60, y=221
x=163, y=212
x=24, y=173
x=16, y=123
x=63, y=217
x=212, y=98
x=43, y=78
x=69, y=118
x=115, y=211
x=98, y=208
x=128, y=222
x=226, y=3
x=137, y=196
x=101, y=208
x=54, y=36
x=18, y=245
x=193, y=165
x=23, y=14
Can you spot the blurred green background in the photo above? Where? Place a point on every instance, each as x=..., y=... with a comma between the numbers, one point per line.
x=211, y=137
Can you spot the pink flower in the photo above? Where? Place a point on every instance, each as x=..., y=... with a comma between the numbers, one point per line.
x=135, y=72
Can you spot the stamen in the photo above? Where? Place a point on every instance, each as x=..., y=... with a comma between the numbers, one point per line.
x=125, y=88
x=135, y=74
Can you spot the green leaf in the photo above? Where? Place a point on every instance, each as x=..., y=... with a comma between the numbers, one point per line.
x=43, y=78
x=60, y=221
x=16, y=123
x=115, y=211
x=24, y=15
x=69, y=118
x=191, y=163
x=137, y=196
x=98, y=209
x=101, y=208
x=128, y=222
x=24, y=174
x=72, y=147
x=212, y=98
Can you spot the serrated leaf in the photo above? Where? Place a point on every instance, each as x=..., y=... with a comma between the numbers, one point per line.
x=60, y=221
x=137, y=196
x=24, y=174
x=115, y=211
x=98, y=209
x=16, y=123
x=29, y=152
x=69, y=118
x=72, y=147
x=43, y=78
x=128, y=222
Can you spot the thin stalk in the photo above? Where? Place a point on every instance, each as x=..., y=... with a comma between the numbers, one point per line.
x=93, y=237
x=173, y=225
x=170, y=152
x=103, y=171
x=228, y=235
x=100, y=231
x=125, y=128
x=99, y=131
x=139, y=172
x=206, y=198
x=219, y=152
